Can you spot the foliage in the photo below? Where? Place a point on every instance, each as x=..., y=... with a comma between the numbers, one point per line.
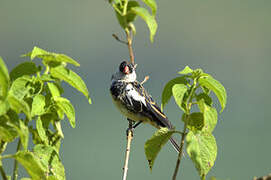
x=127, y=11
x=31, y=106
x=192, y=88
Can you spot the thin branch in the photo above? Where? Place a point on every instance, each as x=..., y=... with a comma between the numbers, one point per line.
x=15, y=169
x=129, y=41
x=145, y=79
x=180, y=154
x=128, y=147
x=118, y=39
x=2, y=171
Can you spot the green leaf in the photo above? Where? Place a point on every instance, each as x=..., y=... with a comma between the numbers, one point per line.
x=167, y=91
x=32, y=164
x=25, y=68
x=19, y=105
x=59, y=129
x=4, y=80
x=125, y=20
x=209, y=115
x=50, y=161
x=155, y=143
x=41, y=131
x=202, y=149
x=55, y=91
x=214, y=85
x=148, y=18
x=7, y=133
x=20, y=87
x=72, y=78
x=186, y=70
x=19, y=125
x=205, y=97
x=38, y=105
x=194, y=121
x=4, y=107
x=51, y=57
x=67, y=107
x=178, y=91
x=152, y=4
x=23, y=133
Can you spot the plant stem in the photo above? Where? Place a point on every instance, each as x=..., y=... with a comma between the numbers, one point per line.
x=2, y=171
x=15, y=168
x=188, y=108
x=129, y=43
x=128, y=147
x=180, y=154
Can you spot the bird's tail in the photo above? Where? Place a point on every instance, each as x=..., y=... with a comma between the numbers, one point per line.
x=175, y=145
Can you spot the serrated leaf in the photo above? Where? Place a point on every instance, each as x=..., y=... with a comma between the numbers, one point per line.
x=68, y=109
x=51, y=57
x=19, y=87
x=54, y=89
x=152, y=4
x=25, y=68
x=32, y=164
x=201, y=148
x=41, y=131
x=214, y=85
x=38, y=105
x=167, y=91
x=125, y=20
x=19, y=105
x=205, y=97
x=4, y=107
x=50, y=161
x=19, y=125
x=178, y=91
x=194, y=121
x=4, y=80
x=209, y=115
x=72, y=78
x=186, y=70
x=148, y=18
x=7, y=132
x=155, y=143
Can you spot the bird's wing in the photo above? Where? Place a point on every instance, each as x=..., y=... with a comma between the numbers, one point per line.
x=149, y=107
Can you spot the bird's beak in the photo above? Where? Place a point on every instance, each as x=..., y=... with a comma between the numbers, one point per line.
x=135, y=66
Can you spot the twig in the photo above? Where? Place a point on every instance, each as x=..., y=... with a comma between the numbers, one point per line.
x=15, y=169
x=180, y=154
x=118, y=39
x=145, y=79
x=128, y=147
x=2, y=171
x=129, y=41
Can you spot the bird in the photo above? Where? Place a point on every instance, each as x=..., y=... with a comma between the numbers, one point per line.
x=134, y=102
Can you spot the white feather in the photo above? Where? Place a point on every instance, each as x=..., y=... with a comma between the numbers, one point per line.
x=133, y=94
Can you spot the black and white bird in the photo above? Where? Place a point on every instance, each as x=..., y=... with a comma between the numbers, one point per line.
x=133, y=101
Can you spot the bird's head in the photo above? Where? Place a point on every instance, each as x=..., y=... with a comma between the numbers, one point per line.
x=126, y=72
x=126, y=68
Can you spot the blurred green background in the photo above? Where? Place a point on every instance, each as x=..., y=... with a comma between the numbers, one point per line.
x=229, y=39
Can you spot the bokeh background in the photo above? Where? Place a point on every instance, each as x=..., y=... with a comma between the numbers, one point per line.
x=229, y=39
